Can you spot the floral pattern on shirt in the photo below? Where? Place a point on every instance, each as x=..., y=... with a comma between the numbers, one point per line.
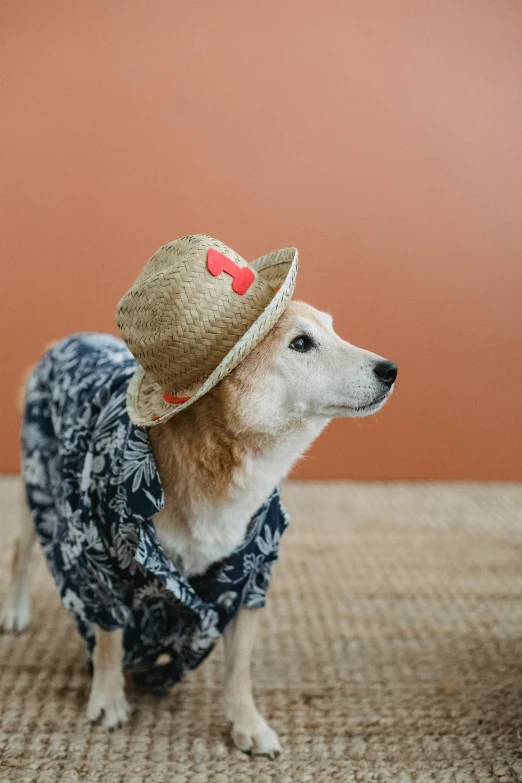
x=93, y=488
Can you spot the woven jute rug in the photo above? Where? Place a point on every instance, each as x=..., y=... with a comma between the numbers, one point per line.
x=391, y=651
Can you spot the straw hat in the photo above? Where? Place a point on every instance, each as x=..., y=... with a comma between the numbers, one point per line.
x=196, y=310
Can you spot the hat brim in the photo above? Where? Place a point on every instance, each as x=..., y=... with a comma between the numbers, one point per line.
x=146, y=405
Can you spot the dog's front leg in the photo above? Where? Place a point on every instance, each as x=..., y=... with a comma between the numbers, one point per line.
x=250, y=731
x=107, y=700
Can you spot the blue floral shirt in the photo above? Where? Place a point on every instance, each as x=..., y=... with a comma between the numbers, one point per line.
x=93, y=487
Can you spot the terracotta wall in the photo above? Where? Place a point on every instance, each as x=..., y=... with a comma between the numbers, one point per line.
x=384, y=139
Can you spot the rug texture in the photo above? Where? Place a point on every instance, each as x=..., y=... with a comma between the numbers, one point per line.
x=390, y=652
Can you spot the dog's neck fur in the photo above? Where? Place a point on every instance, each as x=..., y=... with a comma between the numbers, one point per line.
x=216, y=473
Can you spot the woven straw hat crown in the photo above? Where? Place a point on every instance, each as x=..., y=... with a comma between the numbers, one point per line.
x=192, y=305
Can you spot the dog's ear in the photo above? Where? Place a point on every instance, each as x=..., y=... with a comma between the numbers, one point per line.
x=22, y=391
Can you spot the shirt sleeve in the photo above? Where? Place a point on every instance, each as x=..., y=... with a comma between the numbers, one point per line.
x=269, y=524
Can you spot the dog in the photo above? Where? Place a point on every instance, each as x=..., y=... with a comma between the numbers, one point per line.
x=150, y=465
x=218, y=460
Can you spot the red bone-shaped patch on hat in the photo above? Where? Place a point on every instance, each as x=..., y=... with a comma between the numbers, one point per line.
x=243, y=276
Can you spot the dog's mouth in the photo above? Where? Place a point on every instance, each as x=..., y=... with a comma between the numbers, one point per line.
x=369, y=407
x=374, y=404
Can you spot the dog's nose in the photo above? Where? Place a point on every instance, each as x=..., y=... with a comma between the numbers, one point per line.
x=386, y=372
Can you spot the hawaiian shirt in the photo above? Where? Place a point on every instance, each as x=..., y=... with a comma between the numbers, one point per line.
x=93, y=488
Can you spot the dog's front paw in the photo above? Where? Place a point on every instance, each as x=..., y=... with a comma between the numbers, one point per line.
x=255, y=736
x=110, y=707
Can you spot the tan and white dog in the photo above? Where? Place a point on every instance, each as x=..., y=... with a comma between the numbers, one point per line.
x=218, y=461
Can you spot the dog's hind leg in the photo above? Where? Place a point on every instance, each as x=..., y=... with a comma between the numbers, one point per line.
x=250, y=731
x=15, y=614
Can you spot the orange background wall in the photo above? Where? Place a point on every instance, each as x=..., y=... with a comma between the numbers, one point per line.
x=384, y=139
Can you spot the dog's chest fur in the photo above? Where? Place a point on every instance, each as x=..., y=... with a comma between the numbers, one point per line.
x=209, y=529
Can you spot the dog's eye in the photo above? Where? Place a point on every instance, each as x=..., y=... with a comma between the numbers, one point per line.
x=302, y=344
